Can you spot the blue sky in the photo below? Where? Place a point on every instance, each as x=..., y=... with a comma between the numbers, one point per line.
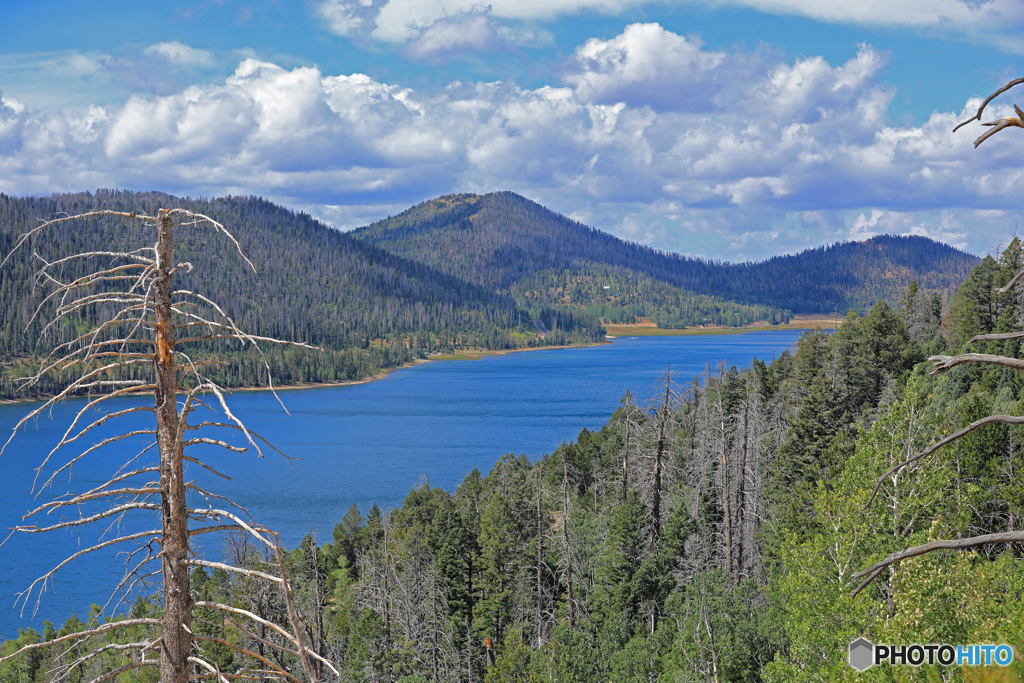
x=732, y=130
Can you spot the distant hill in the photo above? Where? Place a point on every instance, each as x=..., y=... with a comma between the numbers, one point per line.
x=369, y=308
x=462, y=271
x=511, y=244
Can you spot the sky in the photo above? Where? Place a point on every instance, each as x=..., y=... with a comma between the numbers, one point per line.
x=727, y=129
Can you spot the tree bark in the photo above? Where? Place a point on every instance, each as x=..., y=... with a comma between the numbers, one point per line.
x=565, y=543
x=540, y=561
x=741, y=486
x=659, y=453
x=176, y=626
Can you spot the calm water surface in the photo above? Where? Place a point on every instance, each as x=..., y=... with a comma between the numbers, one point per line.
x=358, y=444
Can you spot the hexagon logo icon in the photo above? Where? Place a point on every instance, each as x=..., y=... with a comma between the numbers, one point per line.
x=862, y=654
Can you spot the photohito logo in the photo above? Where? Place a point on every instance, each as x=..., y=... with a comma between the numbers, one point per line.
x=864, y=654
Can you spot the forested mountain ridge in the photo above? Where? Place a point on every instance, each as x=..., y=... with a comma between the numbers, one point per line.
x=368, y=308
x=510, y=243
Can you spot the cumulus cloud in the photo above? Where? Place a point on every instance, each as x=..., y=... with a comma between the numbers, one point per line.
x=807, y=156
x=180, y=54
x=647, y=65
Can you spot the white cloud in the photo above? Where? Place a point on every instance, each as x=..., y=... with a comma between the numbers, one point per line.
x=807, y=156
x=994, y=22
x=445, y=38
x=180, y=54
x=647, y=65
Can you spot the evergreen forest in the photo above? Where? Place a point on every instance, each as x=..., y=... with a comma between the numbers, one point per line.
x=508, y=243
x=366, y=308
x=706, y=533
x=460, y=272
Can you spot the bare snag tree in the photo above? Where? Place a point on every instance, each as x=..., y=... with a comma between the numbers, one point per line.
x=149, y=342
x=942, y=364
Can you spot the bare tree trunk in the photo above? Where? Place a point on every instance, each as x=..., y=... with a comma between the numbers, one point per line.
x=387, y=602
x=741, y=487
x=540, y=561
x=625, y=465
x=176, y=627
x=728, y=512
x=658, y=464
x=433, y=629
x=565, y=543
x=318, y=598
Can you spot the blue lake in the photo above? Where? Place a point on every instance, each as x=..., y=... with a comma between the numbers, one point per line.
x=358, y=444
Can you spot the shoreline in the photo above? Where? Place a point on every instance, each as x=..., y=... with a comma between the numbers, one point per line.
x=459, y=355
x=647, y=329
x=620, y=332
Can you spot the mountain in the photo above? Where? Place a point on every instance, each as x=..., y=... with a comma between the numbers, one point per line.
x=510, y=244
x=492, y=271
x=368, y=308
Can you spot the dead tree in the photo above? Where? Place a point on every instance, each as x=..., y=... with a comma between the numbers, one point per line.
x=569, y=600
x=943, y=363
x=144, y=345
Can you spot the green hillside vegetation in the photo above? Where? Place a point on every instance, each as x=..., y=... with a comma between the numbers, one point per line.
x=456, y=273
x=508, y=243
x=709, y=534
x=368, y=308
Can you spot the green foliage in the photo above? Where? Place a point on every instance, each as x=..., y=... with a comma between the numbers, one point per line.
x=368, y=308
x=765, y=519
x=506, y=242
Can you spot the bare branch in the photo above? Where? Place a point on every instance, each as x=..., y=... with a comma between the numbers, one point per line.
x=943, y=363
x=127, y=667
x=115, y=480
x=27, y=593
x=244, y=613
x=958, y=544
x=997, y=93
x=204, y=465
x=214, y=442
x=292, y=616
x=997, y=337
x=241, y=649
x=84, y=634
x=86, y=520
x=212, y=529
x=990, y=419
x=144, y=646
x=236, y=570
x=84, y=497
x=63, y=219
x=211, y=512
x=1001, y=124
x=209, y=667
x=198, y=218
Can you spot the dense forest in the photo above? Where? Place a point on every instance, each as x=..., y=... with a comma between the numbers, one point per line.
x=459, y=272
x=706, y=533
x=506, y=242
x=368, y=309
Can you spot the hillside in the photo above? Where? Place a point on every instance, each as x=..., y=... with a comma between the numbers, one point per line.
x=370, y=309
x=511, y=244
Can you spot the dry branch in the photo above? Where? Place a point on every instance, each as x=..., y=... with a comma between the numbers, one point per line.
x=236, y=570
x=138, y=339
x=977, y=115
x=943, y=363
x=958, y=544
x=990, y=419
x=252, y=654
x=84, y=634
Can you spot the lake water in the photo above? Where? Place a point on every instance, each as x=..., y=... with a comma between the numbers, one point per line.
x=358, y=444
